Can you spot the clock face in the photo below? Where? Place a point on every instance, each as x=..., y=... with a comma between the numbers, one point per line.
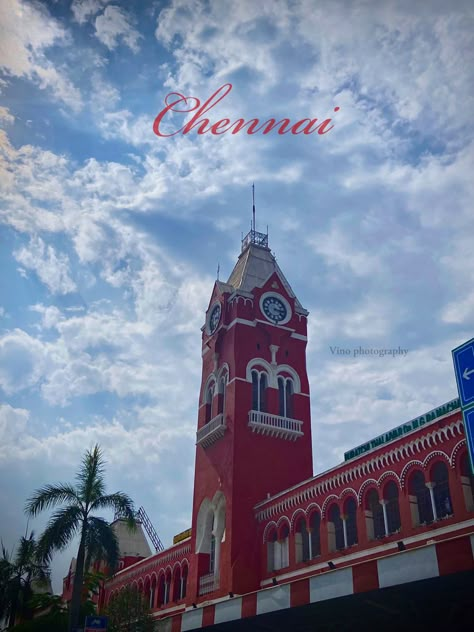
x=274, y=309
x=214, y=318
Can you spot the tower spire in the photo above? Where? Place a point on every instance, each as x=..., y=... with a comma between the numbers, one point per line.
x=253, y=207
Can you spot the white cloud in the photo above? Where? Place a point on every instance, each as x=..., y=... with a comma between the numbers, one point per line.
x=85, y=9
x=13, y=425
x=28, y=31
x=116, y=24
x=6, y=116
x=51, y=268
x=22, y=361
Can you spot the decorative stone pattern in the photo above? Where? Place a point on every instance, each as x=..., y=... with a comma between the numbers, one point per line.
x=320, y=487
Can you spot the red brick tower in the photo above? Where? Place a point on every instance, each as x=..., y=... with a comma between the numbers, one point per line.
x=254, y=425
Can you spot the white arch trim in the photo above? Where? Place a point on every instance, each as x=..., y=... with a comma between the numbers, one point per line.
x=256, y=362
x=284, y=368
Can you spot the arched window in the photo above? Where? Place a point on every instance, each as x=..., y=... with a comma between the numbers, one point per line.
x=467, y=481
x=271, y=545
x=442, y=497
x=212, y=556
x=177, y=583
x=259, y=388
x=209, y=398
x=301, y=541
x=374, y=518
x=420, y=500
x=284, y=545
x=277, y=549
x=315, y=528
x=153, y=592
x=167, y=587
x=285, y=397
x=335, y=530
x=184, y=581
x=392, y=507
x=161, y=590
x=147, y=593
x=221, y=394
x=351, y=521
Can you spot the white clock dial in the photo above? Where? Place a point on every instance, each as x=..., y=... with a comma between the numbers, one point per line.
x=214, y=318
x=274, y=309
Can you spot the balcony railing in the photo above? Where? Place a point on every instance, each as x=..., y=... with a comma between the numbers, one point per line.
x=211, y=432
x=275, y=426
x=208, y=583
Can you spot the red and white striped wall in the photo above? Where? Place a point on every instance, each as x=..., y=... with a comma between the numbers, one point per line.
x=424, y=562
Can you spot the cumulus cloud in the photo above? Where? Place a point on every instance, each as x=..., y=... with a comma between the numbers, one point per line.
x=115, y=25
x=28, y=31
x=13, y=424
x=51, y=268
x=85, y=9
x=22, y=361
x=6, y=116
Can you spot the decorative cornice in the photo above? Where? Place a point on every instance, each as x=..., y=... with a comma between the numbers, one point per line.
x=329, y=483
x=149, y=565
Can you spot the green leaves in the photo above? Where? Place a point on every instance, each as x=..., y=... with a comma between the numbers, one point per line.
x=98, y=541
x=101, y=544
x=60, y=530
x=51, y=496
x=19, y=577
x=90, y=477
x=129, y=612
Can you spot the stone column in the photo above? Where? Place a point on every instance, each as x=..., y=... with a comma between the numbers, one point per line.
x=310, y=544
x=344, y=528
x=383, y=502
x=431, y=487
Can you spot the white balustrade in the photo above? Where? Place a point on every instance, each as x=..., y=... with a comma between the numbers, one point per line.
x=211, y=432
x=275, y=426
x=208, y=583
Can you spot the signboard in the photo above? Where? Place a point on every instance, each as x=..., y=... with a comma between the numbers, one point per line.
x=463, y=359
x=469, y=430
x=184, y=535
x=96, y=624
x=405, y=428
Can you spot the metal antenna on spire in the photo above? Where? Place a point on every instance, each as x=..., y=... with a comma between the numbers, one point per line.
x=218, y=269
x=253, y=206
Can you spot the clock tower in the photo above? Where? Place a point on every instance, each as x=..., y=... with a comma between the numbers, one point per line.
x=254, y=425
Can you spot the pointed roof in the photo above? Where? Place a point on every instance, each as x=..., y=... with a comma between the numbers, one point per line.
x=254, y=266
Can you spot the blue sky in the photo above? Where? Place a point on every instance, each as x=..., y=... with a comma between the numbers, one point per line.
x=110, y=236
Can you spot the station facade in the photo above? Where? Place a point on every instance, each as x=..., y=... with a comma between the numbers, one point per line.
x=267, y=534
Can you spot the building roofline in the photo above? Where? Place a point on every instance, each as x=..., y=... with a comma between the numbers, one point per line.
x=351, y=462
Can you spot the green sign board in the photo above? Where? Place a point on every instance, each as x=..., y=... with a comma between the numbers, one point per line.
x=404, y=429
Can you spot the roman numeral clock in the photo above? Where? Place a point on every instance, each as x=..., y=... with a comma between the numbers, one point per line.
x=275, y=308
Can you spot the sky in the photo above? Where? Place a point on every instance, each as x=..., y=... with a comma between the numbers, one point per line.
x=110, y=236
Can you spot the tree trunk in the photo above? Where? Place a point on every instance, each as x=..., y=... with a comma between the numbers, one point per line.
x=75, y=606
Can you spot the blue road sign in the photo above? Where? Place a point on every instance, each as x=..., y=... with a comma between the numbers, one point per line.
x=469, y=430
x=95, y=624
x=463, y=358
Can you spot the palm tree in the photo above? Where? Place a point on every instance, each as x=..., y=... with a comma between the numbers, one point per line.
x=7, y=572
x=97, y=540
x=18, y=578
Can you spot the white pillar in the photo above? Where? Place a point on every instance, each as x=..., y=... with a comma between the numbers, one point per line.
x=344, y=528
x=430, y=486
x=181, y=587
x=310, y=544
x=383, y=502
